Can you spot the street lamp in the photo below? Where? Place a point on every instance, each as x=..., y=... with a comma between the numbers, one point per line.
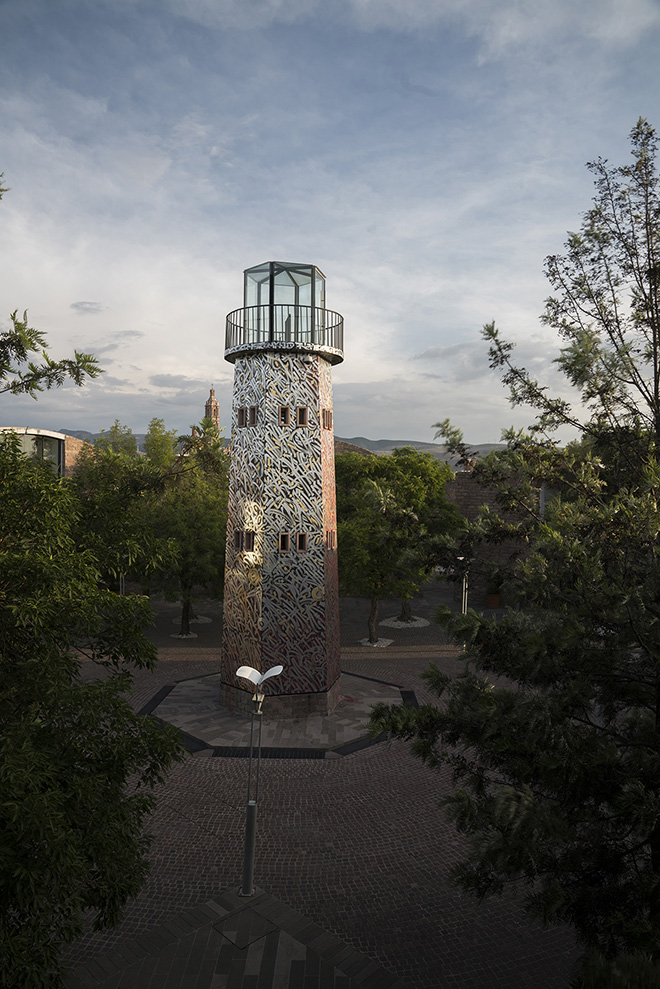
x=464, y=596
x=257, y=678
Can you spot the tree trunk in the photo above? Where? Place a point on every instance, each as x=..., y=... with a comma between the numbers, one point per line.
x=406, y=611
x=373, y=617
x=654, y=843
x=186, y=612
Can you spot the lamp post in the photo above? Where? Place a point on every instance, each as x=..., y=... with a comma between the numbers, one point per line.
x=464, y=595
x=255, y=677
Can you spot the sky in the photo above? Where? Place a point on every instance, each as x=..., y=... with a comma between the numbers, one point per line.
x=426, y=155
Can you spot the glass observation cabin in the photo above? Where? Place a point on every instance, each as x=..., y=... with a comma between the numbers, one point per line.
x=284, y=310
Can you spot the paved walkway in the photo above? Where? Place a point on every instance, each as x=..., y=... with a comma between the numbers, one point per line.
x=193, y=706
x=353, y=854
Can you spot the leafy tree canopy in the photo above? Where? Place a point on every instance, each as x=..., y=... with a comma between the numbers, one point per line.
x=191, y=511
x=113, y=489
x=118, y=438
x=160, y=444
x=22, y=375
x=553, y=729
x=72, y=827
x=389, y=509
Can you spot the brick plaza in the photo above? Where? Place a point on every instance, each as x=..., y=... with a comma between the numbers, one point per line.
x=353, y=856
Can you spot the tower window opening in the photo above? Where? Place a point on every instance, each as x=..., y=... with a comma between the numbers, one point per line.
x=252, y=415
x=248, y=545
x=285, y=415
x=284, y=542
x=242, y=417
x=239, y=539
x=327, y=418
x=302, y=416
x=301, y=542
x=331, y=539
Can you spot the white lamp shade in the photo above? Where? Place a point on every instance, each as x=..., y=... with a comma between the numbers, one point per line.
x=248, y=673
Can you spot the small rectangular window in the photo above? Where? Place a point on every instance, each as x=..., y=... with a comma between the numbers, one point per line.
x=253, y=415
x=301, y=542
x=327, y=418
x=238, y=539
x=301, y=415
x=284, y=542
x=331, y=539
x=242, y=417
x=248, y=542
x=285, y=415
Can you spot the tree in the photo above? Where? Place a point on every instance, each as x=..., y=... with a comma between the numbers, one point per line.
x=553, y=729
x=113, y=490
x=389, y=510
x=19, y=375
x=77, y=766
x=192, y=512
x=118, y=438
x=160, y=445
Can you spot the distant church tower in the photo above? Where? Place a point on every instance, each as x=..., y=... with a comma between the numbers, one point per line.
x=212, y=409
x=281, y=601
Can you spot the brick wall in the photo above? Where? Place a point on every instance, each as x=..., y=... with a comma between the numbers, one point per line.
x=72, y=447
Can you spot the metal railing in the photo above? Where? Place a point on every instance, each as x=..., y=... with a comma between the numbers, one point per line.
x=284, y=324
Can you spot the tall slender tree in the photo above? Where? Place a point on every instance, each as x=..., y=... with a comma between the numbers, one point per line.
x=553, y=729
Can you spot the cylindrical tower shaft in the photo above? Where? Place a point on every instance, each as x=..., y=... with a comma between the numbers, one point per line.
x=281, y=594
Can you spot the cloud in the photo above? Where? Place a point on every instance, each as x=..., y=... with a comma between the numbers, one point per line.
x=87, y=308
x=499, y=26
x=176, y=381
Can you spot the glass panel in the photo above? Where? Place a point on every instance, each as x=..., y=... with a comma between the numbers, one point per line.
x=285, y=290
x=28, y=445
x=320, y=290
x=51, y=449
x=293, y=285
x=257, y=287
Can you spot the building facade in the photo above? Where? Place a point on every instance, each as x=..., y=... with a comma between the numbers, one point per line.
x=212, y=409
x=58, y=449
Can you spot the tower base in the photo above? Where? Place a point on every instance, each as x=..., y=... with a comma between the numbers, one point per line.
x=282, y=705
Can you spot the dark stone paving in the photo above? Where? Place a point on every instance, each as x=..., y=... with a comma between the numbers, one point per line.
x=355, y=847
x=233, y=942
x=193, y=706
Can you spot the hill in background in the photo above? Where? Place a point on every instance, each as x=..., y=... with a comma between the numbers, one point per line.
x=356, y=444
x=384, y=447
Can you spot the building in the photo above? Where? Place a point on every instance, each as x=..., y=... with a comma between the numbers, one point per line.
x=58, y=449
x=212, y=409
x=281, y=602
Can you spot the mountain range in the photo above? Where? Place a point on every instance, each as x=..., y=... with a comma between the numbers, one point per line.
x=379, y=447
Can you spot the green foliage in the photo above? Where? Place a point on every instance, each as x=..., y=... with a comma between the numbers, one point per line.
x=77, y=766
x=206, y=448
x=553, y=729
x=160, y=444
x=113, y=490
x=389, y=509
x=629, y=971
x=191, y=512
x=20, y=375
x=118, y=438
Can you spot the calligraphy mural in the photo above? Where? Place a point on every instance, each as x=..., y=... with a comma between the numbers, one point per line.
x=281, y=593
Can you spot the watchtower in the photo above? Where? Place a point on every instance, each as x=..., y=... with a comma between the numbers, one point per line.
x=281, y=601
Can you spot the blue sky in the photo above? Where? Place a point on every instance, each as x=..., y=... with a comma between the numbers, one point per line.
x=425, y=154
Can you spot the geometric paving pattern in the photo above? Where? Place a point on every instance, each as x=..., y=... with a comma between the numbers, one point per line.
x=233, y=942
x=194, y=706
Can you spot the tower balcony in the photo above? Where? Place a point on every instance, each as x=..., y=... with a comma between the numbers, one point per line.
x=287, y=327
